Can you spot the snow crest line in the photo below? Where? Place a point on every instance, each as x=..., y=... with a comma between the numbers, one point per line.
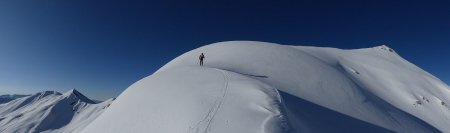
x=251, y=75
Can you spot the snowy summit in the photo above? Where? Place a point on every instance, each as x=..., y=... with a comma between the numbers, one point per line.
x=258, y=87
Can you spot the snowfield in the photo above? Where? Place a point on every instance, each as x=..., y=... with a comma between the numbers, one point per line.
x=253, y=87
x=49, y=111
x=258, y=87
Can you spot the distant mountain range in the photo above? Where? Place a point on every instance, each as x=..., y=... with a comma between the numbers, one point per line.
x=9, y=97
x=49, y=111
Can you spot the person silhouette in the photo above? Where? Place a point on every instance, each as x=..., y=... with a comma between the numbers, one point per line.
x=202, y=57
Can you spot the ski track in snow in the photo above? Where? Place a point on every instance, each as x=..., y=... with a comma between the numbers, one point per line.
x=209, y=117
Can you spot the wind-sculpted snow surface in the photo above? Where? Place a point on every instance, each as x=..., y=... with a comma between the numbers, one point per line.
x=256, y=87
x=49, y=111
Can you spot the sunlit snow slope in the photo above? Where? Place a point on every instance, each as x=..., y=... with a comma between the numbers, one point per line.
x=49, y=111
x=256, y=87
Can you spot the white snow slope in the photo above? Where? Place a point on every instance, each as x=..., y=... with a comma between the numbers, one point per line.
x=49, y=111
x=258, y=87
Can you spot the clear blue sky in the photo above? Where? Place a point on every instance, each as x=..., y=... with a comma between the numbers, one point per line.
x=102, y=47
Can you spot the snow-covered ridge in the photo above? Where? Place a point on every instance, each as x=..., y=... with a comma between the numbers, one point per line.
x=12, y=96
x=248, y=86
x=49, y=111
x=9, y=97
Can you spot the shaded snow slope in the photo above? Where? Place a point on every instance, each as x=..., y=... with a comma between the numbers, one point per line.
x=49, y=111
x=371, y=89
